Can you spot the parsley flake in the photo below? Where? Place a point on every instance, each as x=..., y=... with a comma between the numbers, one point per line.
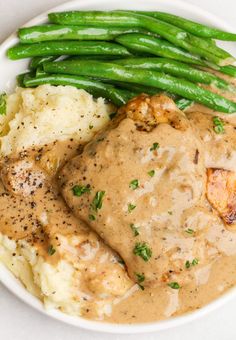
x=174, y=285
x=140, y=277
x=142, y=250
x=194, y=262
x=79, y=190
x=131, y=207
x=155, y=146
x=218, y=125
x=151, y=173
x=92, y=217
x=187, y=264
x=51, y=250
x=97, y=201
x=134, y=229
x=134, y=184
x=189, y=231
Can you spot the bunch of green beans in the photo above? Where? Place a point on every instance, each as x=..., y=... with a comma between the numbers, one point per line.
x=58, y=48
x=167, y=31
x=120, y=54
x=29, y=35
x=118, y=96
x=164, y=82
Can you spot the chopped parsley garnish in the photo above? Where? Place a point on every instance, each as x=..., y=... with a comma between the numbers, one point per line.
x=112, y=115
x=151, y=173
x=155, y=146
x=134, y=184
x=97, y=201
x=51, y=250
x=79, y=190
x=174, y=285
x=90, y=126
x=188, y=264
x=189, y=231
x=3, y=103
x=142, y=250
x=140, y=277
x=92, y=217
x=134, y=229
x=131, y=207
x=194, y=262
x=218, y=125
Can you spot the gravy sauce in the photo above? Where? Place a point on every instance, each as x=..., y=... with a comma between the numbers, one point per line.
x=32, y=208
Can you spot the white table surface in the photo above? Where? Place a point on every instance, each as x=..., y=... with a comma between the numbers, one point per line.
x=20, y=322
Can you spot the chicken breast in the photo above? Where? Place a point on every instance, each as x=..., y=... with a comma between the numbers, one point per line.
x=137, y=183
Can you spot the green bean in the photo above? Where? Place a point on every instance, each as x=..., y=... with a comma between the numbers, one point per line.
x=171, y=33
x=29, y=35
x=97, y=89
x=92, y=57
x=137, y=88
x=229, y=70
x=36, y=61
x=145, y=43
x=192, y=26
x=177, y=69
x=116, y=72
x=95, y=18
x=105, y=57
x=49, y=48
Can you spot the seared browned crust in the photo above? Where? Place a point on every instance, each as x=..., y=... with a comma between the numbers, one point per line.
x=149, y=111
x=221, y=193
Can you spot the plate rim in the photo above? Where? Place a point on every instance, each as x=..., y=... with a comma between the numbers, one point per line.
x=16, y=287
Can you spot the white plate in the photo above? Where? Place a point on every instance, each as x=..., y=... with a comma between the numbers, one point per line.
x=9, y=70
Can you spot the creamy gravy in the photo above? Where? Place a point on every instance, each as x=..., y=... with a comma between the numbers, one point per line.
x=163, y=302
x=23, y=207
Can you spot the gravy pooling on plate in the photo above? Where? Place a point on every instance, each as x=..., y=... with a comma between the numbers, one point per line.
x=150, y=167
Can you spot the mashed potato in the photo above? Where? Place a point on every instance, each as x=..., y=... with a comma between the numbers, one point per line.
x=47, y=113
x=87, y=278
x=65, y=284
